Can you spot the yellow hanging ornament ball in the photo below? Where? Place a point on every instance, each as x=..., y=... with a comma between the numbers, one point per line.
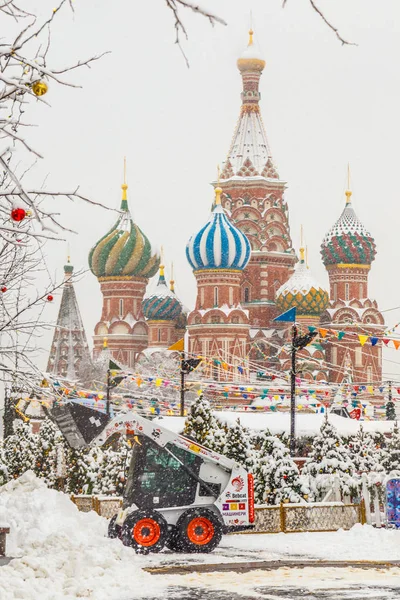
x=40, y=88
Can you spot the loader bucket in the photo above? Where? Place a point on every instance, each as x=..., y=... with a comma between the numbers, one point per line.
x=79, y=424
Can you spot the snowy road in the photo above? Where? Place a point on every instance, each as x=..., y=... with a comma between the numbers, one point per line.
x=294, y=584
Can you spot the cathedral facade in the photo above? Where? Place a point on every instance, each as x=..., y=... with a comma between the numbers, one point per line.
x=247, y=272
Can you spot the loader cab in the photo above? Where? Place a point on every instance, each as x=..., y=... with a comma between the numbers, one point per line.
x=157, y=480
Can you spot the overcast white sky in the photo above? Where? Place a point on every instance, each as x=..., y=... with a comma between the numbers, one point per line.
x=323, y=105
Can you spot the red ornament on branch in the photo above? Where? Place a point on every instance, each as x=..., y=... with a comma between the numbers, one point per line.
x=50, y=298
x=18, y=214
x=4, y=289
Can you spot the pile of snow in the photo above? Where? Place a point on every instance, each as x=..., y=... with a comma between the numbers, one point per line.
x=63, y=553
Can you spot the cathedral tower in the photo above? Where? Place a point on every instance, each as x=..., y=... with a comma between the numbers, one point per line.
x=69, y=353
x=348, y=250
x=253, y=198
x=162, y=309
x=218, y=326
x=123, y=261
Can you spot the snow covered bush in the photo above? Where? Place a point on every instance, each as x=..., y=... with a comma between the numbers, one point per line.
x=329, y=459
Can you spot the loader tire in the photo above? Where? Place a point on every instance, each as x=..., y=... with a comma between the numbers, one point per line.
x=114, y=531
x=173, y=542
x=198, y=530
x=145, y=531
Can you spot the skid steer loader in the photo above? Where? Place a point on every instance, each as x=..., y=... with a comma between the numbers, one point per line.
x=178, y=493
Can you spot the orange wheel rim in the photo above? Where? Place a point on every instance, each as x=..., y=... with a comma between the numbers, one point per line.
x=146, y=532
x=200, y=531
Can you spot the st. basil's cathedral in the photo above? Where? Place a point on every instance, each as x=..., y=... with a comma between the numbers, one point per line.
x=247, y=272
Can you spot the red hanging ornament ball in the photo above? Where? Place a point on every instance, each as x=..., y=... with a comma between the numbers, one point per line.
x=4, y=289
x=50, y=298
x=18, y=214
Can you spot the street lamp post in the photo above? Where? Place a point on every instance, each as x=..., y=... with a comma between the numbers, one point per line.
x=298, y=343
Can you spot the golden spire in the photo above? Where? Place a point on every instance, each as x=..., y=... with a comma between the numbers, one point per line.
x=251, y=33
x=124, y=185
x=348, y=192
x=218, y=190
x=172, y=281
x=301, y=245
x=162, y=262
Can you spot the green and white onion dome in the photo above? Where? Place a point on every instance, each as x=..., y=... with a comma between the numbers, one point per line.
x=302, y=292
x=348, y=242
x=124, y=251
x=162, y=304
x=219, y=244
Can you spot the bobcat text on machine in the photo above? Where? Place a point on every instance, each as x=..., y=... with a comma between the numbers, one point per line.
x=178, y=493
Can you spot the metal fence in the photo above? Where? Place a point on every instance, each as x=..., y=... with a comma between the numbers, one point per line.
x=106, y=506
x=294, y=518
x=286, y=518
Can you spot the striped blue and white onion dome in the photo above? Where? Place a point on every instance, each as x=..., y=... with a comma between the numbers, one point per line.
x=219, y=244
x=162, y=304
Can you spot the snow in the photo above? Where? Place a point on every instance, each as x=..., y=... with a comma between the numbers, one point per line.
x=63, y=553
x=362, y=542
x=279, y=422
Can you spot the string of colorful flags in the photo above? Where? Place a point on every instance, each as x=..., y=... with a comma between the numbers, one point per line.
x=363, y=339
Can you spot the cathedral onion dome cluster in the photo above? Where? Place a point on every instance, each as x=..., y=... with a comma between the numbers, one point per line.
x=124, y=251
x=251, y=59
x=348, y=242
x=219, y=244
x=302, y=292
x=162, y=304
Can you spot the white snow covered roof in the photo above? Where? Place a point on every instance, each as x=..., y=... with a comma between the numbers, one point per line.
x=306, y=424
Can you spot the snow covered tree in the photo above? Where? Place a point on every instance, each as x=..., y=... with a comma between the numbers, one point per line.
x=238, y=446
x=19, y=450
x=329, y=458
x=3, y=465
x=390, y=410
x=46, y=452
x=277, y=477
x=391, y=462
x=363, y=453
x=201, y=424
x=114, y=468
x=83, y=467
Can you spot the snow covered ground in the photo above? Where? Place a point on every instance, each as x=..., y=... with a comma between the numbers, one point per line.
x=64, y=554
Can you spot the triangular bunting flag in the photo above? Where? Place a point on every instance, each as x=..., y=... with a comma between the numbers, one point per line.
x=341, y=335
x=363, y=339
x=396, y=344
x=289, y=316
x=385, y=341
x=322, y=332
x=311, y=329
x=374, y=341
x=179, y=346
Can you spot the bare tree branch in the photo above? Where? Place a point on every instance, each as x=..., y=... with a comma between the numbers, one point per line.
x=327, y=22
x=175, y=5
